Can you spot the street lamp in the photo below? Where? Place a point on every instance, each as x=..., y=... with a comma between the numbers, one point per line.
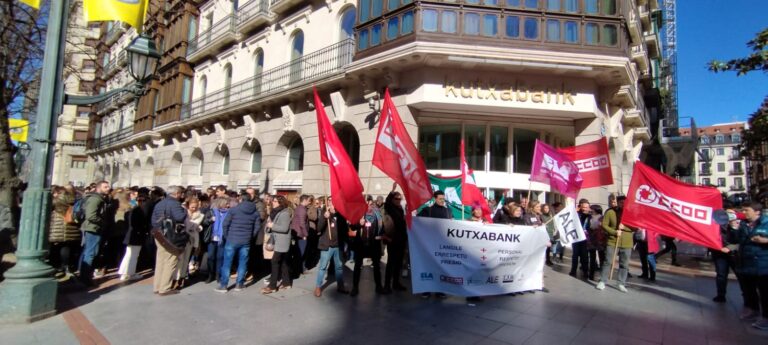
x=29, y=291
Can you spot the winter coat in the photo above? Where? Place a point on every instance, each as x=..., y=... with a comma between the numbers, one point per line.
x=545, y=219
x=330, y=231
x=281, y=230
x=241, y=224
x=365, y=235
x=753, y=256
x=502, y=217
x=611, y=226
x=218, y=224
x=194, y=227
x=138, y=225
x=299, y=221
x=120, y=226
x=60, y=230
x=436, y=211
x=95, y=209
x=532, y=219
x=168, y=208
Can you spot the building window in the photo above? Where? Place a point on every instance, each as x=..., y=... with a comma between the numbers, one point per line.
x=735, y=138
x=78, y=162
x=365, y=8
x=224, y=162
x=393, y=4
x=186, y=90
x=523, y=144
x=429, y=20
x=499, y=138
x=609, y=7
x=553, y=5
x=704, y=139
x=362, y=42
x=200, y=165
x=720, y=151
x=376, y=8
x=474, y=146
x=532, y=4
x=721, y=181
x=192, y=33
x=591, y=34
x=591, y=6
x=738, y=182
x=720, y=167
x=348, y=24
x=448, y=23
x=407, y=23
x=256, y=160
x=719, y=139
x=227, y=82
x=513, y=3
x=471, y=23
x=571, y=5
x=296, y=155
x=437, y=144
x=571, y=32
x=376, y=34
x=80, y=135
x=610, y=35
x=490, y=25
x=513, y=26
x=705, y=167
x=706, y=181
x=258, y=69
x=553, y=30
x=393, y=28
x=737, y=167
x=531, y=28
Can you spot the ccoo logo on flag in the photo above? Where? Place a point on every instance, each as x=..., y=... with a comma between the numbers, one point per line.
x=648, y=196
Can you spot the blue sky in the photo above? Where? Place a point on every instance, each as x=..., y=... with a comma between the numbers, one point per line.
x=717, y=29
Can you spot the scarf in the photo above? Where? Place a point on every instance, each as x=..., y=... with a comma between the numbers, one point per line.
x=274, y=212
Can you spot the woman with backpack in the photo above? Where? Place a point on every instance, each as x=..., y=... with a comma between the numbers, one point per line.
x=65, y=235
x=136, y=235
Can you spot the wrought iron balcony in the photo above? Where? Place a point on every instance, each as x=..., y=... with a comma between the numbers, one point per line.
x=252, y=14
x=736, y=172
x=114, y=33
x=115, y=65
x=305, y=70
x=738, y=188
x=212, y=38
x=112, y=138
x=113, y=102
x=281, y=6
x=735, y=157
x=705, y=172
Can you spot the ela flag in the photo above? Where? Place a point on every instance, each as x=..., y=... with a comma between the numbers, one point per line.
x=568, y=226
x=594, y=162
x=470, y=194
x=661, y=204
x=551, y=166
x=130, y=12
x=346, y=188
x=31, y=3
x=397, y=156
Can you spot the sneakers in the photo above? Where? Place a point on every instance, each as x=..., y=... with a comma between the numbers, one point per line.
x=748, y=314
x=622, y=288
x=761, y=324
x=240, y=287
x=600, y=286
x=426, y=295
x=220, y=289
x=124, y=277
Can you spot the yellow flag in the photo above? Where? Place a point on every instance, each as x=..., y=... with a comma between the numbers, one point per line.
x=127, y=11
x=31, y=3
x=19, y=129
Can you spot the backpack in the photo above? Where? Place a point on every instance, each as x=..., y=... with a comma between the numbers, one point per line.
x=78, y=210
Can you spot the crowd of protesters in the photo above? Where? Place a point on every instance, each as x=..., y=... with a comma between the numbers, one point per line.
x=262, y=235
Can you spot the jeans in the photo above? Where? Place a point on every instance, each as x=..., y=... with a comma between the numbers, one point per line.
x=90, y=251
x=325, y=258
x=215, y=257
x=751, y=287
x=723, y=265
x=230, y=250
x=579, y=255
x=652, y=266
x=623, y=254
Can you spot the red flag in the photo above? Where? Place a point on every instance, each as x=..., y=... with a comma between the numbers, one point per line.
x=470, y=194
x=397, y=156
x=551, y=166
x=346, y=188
x=669, y=207
x=594, y=162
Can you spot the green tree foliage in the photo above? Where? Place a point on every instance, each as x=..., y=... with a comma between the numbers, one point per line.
x=758, y=60
x=757, y=133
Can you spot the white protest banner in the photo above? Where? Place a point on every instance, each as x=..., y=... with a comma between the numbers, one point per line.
x=568, y=226
x=464, y=258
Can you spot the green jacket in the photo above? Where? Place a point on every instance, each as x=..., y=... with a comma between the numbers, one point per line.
x=95, y=208
x=611, y=225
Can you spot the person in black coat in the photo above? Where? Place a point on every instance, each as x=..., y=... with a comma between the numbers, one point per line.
x=396, y=238
x=439, y=209
x=135, y=236
x=366, y=236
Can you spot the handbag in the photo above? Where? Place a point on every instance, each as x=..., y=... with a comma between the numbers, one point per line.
x=269, y=244
x=268, y=253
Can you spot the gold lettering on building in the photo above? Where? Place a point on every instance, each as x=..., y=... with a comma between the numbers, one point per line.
x=508, y=92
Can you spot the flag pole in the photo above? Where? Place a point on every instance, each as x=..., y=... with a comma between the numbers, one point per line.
x=613, y=257
x=325, y=184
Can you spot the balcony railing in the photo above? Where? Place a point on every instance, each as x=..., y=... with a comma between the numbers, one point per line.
x=112, y=138
x=705, y=172
x=736, y=172
x=311, y=67
x=735, y=157
x=114, y=33
x=115, y=65
x=113, y=102
x=252, y=14
x=212, y=36
x=738, y=188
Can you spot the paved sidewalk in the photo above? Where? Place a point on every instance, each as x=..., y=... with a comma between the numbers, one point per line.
x=676, y=309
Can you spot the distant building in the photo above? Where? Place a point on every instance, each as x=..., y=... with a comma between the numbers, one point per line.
x=70, y=162
x=719, y=162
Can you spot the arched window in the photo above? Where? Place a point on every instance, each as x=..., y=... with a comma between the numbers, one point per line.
x=348, y=24
x=351, y=142
x=224, y=161
x=256, y=159
x=258, y=69
x=203, y=91
x=227, y=82
x=296, y=155
x=297, y=51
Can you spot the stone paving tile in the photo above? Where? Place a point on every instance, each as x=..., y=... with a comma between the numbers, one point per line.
x=634, y=341
x=542, y=338
x=595, y=336
x=512, y=334
x=500, y=315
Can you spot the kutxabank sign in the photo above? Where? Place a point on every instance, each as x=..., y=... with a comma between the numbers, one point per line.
x=465, y=258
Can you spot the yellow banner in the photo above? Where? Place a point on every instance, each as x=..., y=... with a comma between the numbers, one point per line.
x=31, y=3
x=19, y=129
x=130, y=12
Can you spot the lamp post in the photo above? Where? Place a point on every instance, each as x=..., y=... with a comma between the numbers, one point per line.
x=29, y=290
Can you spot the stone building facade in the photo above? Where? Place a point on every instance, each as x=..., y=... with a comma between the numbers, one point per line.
x=500, y=74
x=720, y=162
